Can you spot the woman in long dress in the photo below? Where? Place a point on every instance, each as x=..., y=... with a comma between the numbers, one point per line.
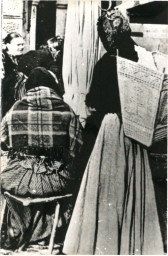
x=115, y=212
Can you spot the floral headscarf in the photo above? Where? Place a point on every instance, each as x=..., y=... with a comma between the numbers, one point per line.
x=108, y=32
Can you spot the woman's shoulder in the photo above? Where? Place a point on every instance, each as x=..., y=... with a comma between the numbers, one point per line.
x=5, y=57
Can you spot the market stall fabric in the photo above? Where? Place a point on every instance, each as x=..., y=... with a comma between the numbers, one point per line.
x=82, y=50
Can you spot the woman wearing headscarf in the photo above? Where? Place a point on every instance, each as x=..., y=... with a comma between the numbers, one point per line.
x=103, y=96
x=115, y=211
x=115, y=34
x=43, y=137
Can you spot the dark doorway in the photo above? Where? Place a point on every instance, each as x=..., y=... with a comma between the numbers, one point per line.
x=46, y=20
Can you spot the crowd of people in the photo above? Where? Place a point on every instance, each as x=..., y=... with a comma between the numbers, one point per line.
x=48, y=149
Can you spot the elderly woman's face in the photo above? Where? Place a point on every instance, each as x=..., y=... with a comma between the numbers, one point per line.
x=16, y=46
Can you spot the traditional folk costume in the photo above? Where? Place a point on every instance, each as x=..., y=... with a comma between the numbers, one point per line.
x=116, y=210
x=43, y=136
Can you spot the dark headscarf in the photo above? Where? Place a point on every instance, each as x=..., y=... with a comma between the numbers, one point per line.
x=41, y=77
x=34, y=59
x=42, y=58
x=116, y=37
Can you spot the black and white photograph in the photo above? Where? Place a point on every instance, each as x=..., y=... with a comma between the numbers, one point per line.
x=84, y=86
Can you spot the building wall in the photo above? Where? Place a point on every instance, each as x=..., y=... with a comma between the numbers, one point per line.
x=15, y=19
x=152, y=36
x=12, y=16
x=61, y=13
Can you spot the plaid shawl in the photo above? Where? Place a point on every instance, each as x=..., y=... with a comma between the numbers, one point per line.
x=41, y=122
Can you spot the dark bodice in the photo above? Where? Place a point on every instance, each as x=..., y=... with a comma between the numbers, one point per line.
x=8, y=82
x=104, y=93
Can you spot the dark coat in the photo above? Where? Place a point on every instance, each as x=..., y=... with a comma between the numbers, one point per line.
x=8, y=82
